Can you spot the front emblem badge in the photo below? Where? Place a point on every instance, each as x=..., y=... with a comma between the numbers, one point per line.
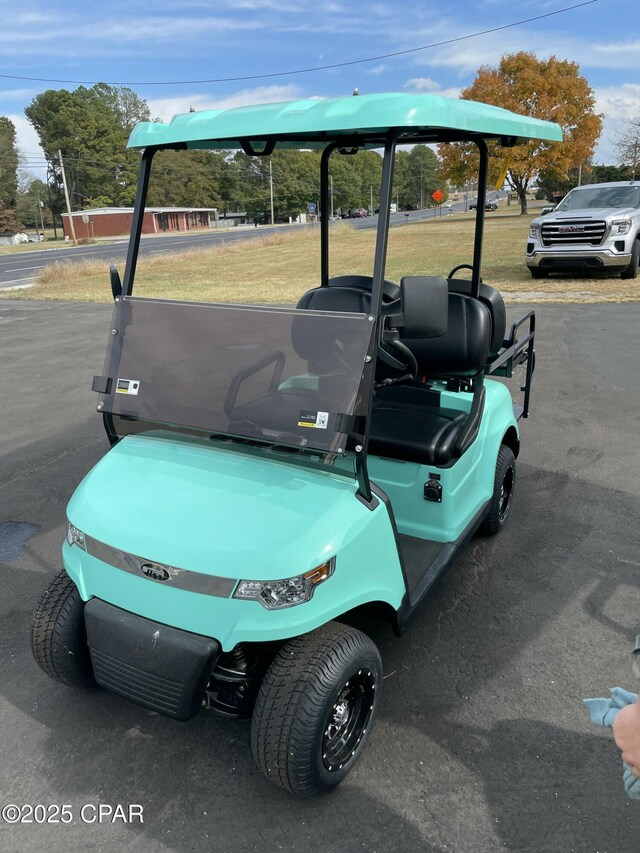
x=155, y=572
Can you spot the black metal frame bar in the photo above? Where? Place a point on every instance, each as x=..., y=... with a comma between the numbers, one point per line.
x=518, y=352
x=138, y=218
x=479, y=230
x=324, y=212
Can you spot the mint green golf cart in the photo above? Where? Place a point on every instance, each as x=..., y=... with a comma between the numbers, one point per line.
x=276, y=473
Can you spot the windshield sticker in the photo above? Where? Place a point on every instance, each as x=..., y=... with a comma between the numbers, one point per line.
x=128, y=386
x=315, y=420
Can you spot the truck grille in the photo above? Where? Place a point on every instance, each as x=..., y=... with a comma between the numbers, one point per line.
x=573, y=232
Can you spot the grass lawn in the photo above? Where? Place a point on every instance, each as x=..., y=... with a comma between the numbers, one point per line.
x=280, y=267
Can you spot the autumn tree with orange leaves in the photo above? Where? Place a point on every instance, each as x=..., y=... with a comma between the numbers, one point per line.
x=550, y=89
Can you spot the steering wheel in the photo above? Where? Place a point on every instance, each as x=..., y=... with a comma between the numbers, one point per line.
x=460, y=267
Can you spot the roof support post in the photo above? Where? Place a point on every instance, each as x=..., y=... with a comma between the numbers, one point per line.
x=482, y=196
x=364, y=486
x=138, y=218
x=324, y=214
x=382, y=234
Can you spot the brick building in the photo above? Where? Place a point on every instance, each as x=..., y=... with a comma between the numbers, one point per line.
x=116, y=221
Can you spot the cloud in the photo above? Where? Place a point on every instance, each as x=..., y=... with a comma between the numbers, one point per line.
x=618, y=104
x=165, y=108
x=377, y=69
x=421, y=84
x=29, y=145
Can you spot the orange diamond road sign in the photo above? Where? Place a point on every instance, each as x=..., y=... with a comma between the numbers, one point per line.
x=437, y=196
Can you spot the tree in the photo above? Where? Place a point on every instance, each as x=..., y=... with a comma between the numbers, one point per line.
x=31, y=202
x=186, y=179
x=604, y=174
x=8, y=221
x=418, y=174
x=629, y=146
x=91, y=128
x=550, y=89
x=8, y=163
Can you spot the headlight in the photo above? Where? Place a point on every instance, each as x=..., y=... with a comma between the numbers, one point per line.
x=533, y=229
x=620, y=226
x=75, y=536
x=274, y=595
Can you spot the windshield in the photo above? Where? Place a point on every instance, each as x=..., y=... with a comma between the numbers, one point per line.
x=584, y=198
x=276, y=375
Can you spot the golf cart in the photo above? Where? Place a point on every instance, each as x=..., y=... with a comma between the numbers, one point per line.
x=276, y=472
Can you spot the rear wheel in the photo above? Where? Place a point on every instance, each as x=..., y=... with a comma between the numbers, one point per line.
x=632, y=270
x=315, y=709
x=503, y=487
x=536, y=272
x=58, y=634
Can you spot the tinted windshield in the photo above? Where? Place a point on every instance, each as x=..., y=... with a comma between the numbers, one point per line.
x=584, y=198
x=276, y=375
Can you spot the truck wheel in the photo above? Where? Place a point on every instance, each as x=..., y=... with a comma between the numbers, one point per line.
x=503, y=486
x=632, y=270
x=315, y=709
x=536, y=272
x=58, y=635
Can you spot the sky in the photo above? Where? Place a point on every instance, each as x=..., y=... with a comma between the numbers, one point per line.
x=141, y=43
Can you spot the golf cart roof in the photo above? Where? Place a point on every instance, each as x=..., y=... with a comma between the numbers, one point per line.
x=313, y=123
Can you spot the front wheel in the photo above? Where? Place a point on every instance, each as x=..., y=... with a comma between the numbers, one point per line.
x=315, y=709
x=503, y=487
x=632, y=270
x=58, y=635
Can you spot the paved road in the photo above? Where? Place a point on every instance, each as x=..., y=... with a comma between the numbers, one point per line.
x=19, y=269
x=481, y=744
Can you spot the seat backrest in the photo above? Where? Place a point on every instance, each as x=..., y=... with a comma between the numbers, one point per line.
x=462, y=350
x=494, y=302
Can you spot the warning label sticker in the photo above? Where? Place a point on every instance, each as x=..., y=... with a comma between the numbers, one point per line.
x=314, y=420
x=128, y=386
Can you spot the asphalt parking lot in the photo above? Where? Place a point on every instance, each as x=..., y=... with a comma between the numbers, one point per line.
x=481, y=743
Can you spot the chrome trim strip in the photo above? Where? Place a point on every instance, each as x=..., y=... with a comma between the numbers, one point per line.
x=177, y=578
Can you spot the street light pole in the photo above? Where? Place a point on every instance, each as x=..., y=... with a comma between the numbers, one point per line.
x=331, y=193
x=271, y=190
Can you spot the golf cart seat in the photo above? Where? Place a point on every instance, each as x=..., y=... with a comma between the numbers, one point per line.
x=408, y=422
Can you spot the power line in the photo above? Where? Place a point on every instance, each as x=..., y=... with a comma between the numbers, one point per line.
x=241, y=78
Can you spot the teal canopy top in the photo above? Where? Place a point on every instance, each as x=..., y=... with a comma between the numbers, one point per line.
x=367, y=118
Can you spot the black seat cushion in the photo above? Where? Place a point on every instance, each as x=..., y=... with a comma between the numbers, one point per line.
x=425, y=434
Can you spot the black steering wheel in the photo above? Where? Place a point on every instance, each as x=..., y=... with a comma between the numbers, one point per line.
x=460, y=267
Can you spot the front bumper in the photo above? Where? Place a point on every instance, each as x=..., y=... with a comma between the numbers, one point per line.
x=162, y=668
x=583, y=260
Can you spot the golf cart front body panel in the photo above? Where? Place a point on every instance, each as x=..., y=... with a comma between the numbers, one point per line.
x=227, y=515
x=466, y=485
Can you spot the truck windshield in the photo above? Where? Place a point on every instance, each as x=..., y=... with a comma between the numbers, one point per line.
x=275, y=375
x=584, y=198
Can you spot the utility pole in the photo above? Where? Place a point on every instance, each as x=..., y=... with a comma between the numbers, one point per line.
x=271, y=190
x=331, y=193
x=371, y=188
x=580, y=175
x=66, y=197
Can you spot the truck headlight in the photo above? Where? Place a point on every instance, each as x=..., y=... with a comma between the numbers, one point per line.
x=275, y=595
x=533, y=229
x=75, y=536
x=620, y=226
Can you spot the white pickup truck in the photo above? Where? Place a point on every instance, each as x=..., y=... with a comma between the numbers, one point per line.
x=595, y=227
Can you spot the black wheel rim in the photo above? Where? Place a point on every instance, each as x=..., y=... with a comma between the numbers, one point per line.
x=506, y=493
x=348, y=720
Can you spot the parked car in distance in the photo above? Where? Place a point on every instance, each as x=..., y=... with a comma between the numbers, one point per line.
x=489, y=205
x=359, y=213
x=596, y=227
